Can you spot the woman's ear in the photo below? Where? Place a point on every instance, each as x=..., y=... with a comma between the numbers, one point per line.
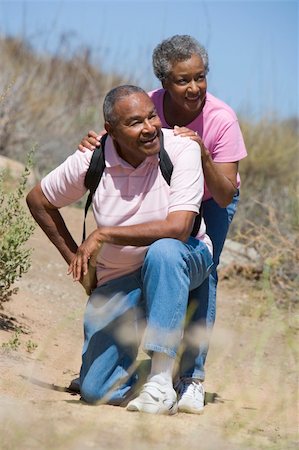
x=165, y=82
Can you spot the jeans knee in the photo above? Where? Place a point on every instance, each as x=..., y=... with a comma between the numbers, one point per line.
x=89, y=393
x=164, y=250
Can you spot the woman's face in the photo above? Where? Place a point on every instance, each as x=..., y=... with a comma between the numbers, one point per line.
x=187, y=84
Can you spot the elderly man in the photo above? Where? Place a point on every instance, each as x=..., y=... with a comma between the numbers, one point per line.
x=147, y=262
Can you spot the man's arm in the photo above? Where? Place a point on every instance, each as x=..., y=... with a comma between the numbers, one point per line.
x=177, y=225
x=51, y=222
x=185, y=196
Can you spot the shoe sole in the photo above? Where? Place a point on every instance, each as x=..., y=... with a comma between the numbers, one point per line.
x=188, y=410
x=151, y=409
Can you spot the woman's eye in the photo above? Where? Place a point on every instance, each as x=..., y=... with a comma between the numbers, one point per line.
x=182, y=81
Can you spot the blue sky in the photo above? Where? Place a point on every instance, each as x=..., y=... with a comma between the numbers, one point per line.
x=252, y=45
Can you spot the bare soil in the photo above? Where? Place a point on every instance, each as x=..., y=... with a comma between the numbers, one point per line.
x=252, y=377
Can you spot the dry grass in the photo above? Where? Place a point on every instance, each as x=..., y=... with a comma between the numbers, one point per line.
x=48, y=100
x=268, y=216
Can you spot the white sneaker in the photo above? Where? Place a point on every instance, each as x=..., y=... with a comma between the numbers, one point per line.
x=155, y=398
x=191, y=396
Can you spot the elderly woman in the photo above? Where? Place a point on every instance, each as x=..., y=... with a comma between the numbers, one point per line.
x=183, y=103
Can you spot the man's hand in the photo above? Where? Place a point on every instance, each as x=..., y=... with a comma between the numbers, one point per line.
x=91, y=141
x=89, y=281
x=86, y=252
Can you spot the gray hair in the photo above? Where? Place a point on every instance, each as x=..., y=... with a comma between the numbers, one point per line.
x=114, y=96
x=176, y=49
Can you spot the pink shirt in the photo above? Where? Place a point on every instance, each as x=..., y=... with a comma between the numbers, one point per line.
x=218, y=127
x=128, y=195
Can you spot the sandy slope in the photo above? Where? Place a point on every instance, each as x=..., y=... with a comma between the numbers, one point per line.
x=251, y=385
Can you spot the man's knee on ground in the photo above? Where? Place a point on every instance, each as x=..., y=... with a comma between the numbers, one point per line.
x=91, y=392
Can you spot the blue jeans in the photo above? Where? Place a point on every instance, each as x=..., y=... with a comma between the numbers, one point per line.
x=150, y=303
x=203, y=299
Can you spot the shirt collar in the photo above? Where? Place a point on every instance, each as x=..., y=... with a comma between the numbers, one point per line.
x=112, y=158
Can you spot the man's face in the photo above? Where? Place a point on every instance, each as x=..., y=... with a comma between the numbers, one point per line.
x=136, y=132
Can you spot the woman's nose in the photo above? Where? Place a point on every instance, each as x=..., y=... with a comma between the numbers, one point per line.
x=194, y=87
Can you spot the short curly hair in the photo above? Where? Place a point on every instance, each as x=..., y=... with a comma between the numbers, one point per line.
x=175, y=49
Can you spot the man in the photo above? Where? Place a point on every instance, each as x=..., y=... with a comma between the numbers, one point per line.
x=147, y=263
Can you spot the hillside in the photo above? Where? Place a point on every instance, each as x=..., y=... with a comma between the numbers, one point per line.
x=48, y=101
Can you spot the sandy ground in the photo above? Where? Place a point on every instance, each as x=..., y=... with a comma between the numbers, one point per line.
x=252, y=383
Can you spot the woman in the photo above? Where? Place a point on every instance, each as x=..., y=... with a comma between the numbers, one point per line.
x=183, y=103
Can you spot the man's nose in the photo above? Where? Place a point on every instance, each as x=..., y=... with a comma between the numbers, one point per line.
x=148, y=126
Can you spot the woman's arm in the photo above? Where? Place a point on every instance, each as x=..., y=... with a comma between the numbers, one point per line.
x=220, y=178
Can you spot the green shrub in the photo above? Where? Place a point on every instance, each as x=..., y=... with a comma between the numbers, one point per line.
x=16, y=226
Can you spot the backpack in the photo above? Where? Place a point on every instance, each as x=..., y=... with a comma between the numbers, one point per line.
x=97, y=166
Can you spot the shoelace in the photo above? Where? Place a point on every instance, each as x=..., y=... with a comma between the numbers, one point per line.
x=193, y=386
x=149, y=387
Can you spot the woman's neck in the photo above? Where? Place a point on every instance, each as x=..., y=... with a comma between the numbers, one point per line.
x=175, y=115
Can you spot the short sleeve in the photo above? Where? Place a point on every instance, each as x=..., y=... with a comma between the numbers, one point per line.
x=229, y=144
x=65, y=184
x=187, y=184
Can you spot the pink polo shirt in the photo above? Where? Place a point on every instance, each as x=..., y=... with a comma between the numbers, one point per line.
x=218, y=127
x=129, y=196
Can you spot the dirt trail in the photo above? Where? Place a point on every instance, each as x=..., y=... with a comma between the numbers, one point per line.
x=252, y=384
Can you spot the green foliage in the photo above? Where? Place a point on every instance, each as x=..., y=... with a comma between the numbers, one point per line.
x=31, y=346
x=13, y=343
x=16, y=226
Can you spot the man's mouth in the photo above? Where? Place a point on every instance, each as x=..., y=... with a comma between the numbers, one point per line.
x=149, y=139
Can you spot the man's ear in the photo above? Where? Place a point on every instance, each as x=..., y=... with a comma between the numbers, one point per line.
x=108, y=128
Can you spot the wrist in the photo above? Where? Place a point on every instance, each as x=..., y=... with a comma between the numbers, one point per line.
x=205, y=154
x=97, y=235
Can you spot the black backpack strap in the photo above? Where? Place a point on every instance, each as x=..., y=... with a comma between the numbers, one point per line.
x=197, y=223
x=165, y=163
x=166, y=167
x=93, y=176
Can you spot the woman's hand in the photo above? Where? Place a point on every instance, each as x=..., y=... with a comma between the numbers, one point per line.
x=91, y=141
x=186, y=132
